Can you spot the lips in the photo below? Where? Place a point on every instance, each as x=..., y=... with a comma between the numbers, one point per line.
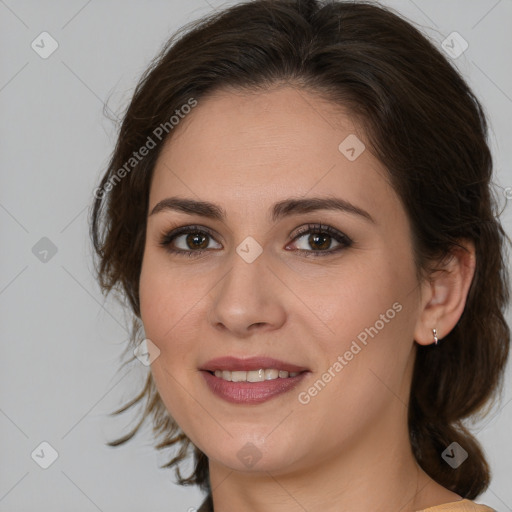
x=250, y=393
x=252, y=363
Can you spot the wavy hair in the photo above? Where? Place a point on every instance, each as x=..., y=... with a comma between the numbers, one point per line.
x=423, y=123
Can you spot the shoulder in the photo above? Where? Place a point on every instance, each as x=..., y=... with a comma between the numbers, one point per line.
x=459, y=506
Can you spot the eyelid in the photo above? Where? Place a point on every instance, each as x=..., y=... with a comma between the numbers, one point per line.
x=320, y=228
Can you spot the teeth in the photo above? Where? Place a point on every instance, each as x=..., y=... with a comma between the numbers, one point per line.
x=254, y=375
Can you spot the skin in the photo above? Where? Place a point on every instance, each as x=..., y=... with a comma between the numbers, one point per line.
x=347, y=449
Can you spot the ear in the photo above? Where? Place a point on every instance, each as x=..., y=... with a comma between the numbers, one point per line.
x=444, y=294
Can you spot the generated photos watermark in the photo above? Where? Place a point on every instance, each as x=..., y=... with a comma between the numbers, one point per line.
x=305, y=397
x=159, y=133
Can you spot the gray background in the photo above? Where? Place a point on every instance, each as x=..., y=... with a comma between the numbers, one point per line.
x=61, y=342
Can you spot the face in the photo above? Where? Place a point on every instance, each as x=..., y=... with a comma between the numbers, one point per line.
x=331, y=291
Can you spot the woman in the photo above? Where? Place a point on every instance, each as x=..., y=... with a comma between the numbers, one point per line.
x=299, y=212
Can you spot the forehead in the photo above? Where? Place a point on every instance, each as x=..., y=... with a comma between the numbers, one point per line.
x=252, y=146
x=280, y=119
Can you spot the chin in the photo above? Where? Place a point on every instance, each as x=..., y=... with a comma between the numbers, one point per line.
x=253, y=456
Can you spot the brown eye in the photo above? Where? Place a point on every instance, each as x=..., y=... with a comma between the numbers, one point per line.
x=188, y=240
x=196, y=241
x=318, y=240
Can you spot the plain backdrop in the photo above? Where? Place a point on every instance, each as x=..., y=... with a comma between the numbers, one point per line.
x=61, y=343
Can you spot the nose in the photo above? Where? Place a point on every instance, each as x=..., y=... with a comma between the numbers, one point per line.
x=250, y=298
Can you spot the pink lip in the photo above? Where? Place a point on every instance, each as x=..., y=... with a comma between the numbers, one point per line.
x=250, y=392
x=252, y=363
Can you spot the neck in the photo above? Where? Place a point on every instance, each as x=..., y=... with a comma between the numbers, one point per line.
x=380, y=474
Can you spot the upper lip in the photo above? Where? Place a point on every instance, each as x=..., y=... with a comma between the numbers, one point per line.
x=251, y=363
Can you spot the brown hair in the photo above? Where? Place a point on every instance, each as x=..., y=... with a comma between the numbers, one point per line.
x=423, y=123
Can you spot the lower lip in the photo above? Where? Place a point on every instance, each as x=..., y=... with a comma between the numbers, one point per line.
x=250, y=392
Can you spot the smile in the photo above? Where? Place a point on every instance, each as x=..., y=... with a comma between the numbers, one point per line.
x=254, y=375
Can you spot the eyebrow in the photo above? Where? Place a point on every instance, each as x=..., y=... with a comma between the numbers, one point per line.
x=280, y=209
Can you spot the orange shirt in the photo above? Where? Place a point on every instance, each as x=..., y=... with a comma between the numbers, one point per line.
x=459, y=506
x=454, y=506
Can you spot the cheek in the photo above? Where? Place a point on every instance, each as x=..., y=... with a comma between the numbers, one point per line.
x=166, y=311
x=169, y=299
x=368, y=307
x=350, y=297
x=154, y=301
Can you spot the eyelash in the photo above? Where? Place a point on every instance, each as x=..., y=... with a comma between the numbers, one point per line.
x=344, y=240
